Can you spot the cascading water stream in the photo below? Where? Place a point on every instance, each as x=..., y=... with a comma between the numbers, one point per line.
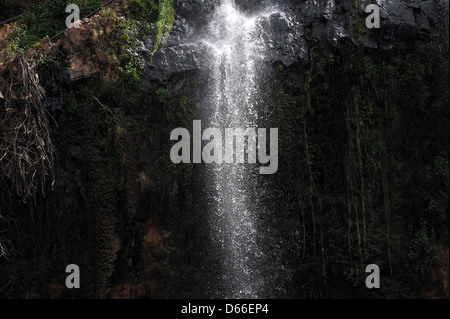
x=236, y=52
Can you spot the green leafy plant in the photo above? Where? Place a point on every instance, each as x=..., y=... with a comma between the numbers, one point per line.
x=14, y=40
x=87, y=7
x=45, y=18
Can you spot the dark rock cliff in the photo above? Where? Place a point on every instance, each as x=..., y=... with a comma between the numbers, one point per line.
x=290, y=31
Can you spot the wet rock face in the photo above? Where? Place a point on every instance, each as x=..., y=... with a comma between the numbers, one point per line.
x=283, y=38
x=185, y=49
x=287, y=31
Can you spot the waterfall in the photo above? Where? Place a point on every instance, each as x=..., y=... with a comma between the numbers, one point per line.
x=235, y=53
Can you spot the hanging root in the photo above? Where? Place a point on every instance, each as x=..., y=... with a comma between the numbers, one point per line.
x=26, y=150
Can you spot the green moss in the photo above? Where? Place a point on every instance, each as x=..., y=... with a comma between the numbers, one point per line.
x=143, y=9
x=72, y=103
x=307, y=31
x=351, y=112
x=100, y=126
x=164, y=23
x=162, y=95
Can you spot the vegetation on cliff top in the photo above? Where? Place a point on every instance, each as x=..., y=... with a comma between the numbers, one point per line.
x=48, y=18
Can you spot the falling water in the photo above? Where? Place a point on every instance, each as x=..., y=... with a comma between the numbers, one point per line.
x=236, y=52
